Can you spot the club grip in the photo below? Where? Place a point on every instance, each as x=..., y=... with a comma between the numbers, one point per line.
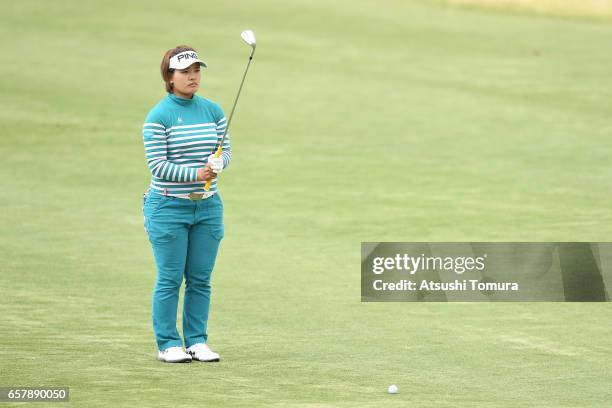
x=209, y=182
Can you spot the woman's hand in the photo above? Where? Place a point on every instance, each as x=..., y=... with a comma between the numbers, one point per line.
x=206, y=173
x=216, y=163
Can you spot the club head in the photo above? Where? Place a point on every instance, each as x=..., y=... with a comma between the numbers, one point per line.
x=249, y=37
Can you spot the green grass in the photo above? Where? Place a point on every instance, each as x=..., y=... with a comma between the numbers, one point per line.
x=360, y=121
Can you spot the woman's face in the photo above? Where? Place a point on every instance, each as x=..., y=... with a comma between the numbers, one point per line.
x=186, y=81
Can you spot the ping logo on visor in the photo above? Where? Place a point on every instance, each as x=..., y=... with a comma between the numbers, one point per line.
x=185, y=59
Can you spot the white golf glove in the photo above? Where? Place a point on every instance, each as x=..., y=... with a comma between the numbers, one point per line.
x=216, y=163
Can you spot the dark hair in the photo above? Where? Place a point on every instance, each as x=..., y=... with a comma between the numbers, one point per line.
x=166, y=71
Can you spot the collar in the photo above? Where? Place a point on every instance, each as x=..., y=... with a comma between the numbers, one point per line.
x=182, y=101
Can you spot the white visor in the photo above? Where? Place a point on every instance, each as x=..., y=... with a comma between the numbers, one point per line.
x=185, y=59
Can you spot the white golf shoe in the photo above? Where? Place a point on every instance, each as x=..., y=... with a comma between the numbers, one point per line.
x=174, y=355
x=202, y=352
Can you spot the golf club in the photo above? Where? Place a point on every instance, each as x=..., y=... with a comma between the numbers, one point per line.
x=249, y=37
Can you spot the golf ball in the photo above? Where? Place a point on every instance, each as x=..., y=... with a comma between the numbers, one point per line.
x=392, y=389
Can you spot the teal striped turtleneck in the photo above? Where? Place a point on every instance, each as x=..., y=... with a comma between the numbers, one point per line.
x=179, y=134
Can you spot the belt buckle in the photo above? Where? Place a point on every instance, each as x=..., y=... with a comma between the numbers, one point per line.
x=196, y=196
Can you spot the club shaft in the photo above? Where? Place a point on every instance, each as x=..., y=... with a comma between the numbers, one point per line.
x=229, y=121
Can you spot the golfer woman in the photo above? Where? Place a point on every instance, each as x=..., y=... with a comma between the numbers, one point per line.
x=184, y=220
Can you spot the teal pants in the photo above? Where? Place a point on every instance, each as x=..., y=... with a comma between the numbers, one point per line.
x=185, y=237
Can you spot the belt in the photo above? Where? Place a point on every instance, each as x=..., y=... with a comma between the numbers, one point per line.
x=200, y=196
